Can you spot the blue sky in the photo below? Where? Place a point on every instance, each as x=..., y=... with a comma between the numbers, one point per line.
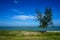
x=22, y=12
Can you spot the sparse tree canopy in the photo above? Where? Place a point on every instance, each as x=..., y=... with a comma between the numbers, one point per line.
x=45, y=19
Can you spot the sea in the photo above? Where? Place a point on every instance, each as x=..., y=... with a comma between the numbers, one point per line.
x=56, y=28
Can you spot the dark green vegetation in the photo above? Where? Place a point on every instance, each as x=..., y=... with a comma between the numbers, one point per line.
x=28, y=35
x=44, y=19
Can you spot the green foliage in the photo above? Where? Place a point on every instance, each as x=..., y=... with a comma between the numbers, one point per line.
x=48, y=14
x=45, y=19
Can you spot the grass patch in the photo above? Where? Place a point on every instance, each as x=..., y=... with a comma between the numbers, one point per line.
x=28, y=35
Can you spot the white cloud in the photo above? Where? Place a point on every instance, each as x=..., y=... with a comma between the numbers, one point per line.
x=17, y=11
x=15, y=1
x=24, y=17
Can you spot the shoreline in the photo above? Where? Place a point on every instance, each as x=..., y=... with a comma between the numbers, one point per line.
x=53, y=31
